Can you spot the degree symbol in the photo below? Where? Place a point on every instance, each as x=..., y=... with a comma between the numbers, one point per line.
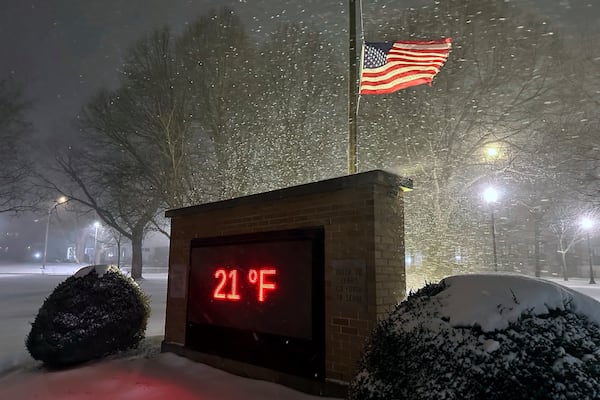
x=252, y=276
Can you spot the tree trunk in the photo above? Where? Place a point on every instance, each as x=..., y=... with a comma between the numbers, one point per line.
x=119, y=253
x=536, y=238
x=564, y=265
x=136, y=253
x=80, y=249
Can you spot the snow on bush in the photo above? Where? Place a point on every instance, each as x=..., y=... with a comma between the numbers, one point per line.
x=485, y=337
x=96, y=312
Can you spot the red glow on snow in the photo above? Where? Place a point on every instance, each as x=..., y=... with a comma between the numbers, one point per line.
x=97, y=382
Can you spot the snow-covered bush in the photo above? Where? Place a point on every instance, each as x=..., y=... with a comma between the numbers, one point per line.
x=485, y=337
x=96, y=312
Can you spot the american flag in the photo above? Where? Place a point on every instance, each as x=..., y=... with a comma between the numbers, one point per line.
x=391, y=66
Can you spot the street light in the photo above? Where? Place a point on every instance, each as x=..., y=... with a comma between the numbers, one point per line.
x=491, y=152
x=587, y=224
x=96, y=226
x=60, y=200
x=490, y=195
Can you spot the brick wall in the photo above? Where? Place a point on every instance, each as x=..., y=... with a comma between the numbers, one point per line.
x=362, y=218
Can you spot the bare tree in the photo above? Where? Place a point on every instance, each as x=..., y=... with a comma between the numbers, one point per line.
x=127, y=164
x=565, y=225
x=575, y=123
x=493, y=91
x=101, y=179
x=147, y=119
x=215, y=57
x=15, y=195
x=300, y=124
x=141, y=144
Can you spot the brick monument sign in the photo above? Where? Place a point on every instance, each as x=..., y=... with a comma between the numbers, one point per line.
x=287, y=285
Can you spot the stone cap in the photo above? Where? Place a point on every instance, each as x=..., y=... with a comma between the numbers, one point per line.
x=378, y=177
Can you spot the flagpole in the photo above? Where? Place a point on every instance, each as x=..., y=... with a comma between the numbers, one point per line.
x=352, y=91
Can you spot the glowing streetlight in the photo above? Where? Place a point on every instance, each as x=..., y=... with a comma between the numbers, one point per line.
x=490, y=195
x=587, y=224
x=491, y=152
x=60, y=200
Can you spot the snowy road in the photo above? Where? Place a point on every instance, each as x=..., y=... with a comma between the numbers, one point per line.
x=23, y=289
x=582, y=285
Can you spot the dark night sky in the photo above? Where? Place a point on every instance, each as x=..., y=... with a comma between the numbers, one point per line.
x=64, y=50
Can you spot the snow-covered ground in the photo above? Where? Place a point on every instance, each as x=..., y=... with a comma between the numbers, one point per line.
x=161, y=376
x=23, y=289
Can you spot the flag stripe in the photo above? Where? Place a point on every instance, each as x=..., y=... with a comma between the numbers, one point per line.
x=398, y=73
x=391, y=67
x=398, y=45
x=388, y=67
x=398, y=86
x=387, y=83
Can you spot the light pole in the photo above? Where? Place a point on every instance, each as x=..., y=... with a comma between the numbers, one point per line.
x=587, y=224
x=60, y=200
x=96, y=226
x=490, y=195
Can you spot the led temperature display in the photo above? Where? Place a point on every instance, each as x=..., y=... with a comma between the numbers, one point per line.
x=260, y=299
x=262, y=286
x=227, y=286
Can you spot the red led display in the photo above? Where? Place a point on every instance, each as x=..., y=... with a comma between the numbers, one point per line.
x=227, y=283
x=259, y=298
x=263, y=286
